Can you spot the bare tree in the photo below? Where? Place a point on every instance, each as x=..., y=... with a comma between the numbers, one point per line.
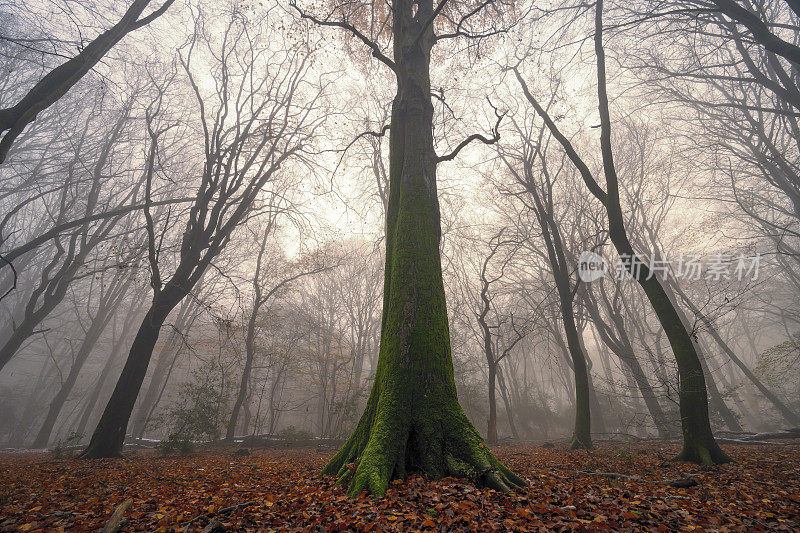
x=698, y=439
x=413, y=418
x=61, y=79
x=252, y=125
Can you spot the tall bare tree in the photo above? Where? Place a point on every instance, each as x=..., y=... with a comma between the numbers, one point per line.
x=252, y=125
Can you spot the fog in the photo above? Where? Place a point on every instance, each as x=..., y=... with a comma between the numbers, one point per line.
x=207, y=204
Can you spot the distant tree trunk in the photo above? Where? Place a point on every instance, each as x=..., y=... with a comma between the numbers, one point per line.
x=22, y=427
x=491, y=427
x=412, y=420
x=698, y=439
x=101, y=380
x=788, y=415
x=582, y=434
x=620, y=344
x=43, y=436
x=164, y=360
x=249, y=348
x=108, y=301
x=507, y=403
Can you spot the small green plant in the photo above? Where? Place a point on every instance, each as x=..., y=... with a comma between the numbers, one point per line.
x=198, y=414
x=292, y=435
x=64, y=447
x=176, y=443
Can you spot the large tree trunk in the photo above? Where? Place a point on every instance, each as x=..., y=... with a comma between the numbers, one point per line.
x=109, y=436
x=412, y=420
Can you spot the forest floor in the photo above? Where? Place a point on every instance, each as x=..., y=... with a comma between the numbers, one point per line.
x=281, y=489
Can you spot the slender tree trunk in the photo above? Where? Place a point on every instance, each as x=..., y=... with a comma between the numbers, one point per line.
x=163, y=361
x=790, y=416
x=698, y=440
x=43, y=436
x=249, y=347
x=109, y=436
x=598, y=423
x=98, y=386
x=507, y=402
x=412, y=420
x=491, y=430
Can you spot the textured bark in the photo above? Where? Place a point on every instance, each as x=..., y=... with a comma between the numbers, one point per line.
x=412, y=420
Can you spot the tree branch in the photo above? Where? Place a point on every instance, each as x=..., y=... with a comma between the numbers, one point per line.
x=476, y=137
x=376, y=51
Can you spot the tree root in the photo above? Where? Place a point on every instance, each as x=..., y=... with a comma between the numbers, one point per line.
x=370, y=460
x=703, y=455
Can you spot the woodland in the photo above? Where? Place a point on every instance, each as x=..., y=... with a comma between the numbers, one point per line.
x=481, y=265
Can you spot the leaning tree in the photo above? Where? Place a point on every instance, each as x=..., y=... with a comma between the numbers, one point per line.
x=699, y=444
x=412, y=420
x=256, y=114
x=62, y=78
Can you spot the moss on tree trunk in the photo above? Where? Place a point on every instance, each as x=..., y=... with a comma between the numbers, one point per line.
x=413, y=421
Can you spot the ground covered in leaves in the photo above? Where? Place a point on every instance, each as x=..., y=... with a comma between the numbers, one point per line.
x=616, y=486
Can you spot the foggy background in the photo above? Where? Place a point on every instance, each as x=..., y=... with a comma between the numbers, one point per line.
x=706, y=130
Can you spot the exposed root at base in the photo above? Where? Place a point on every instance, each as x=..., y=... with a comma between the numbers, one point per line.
x=370, y=466
x=578, y=444
x=703, y=455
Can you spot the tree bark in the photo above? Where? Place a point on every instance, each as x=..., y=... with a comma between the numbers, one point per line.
x=412, y=420
x=109, y=436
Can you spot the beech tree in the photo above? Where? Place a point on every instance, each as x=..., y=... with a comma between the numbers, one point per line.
x=252, y=125
x=412, y=420
x=699, y=444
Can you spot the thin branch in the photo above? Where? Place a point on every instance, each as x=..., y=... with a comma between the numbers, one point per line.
x=376, y=51
x=476, y=137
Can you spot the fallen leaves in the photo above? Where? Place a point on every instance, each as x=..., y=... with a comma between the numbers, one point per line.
x=615, y=487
